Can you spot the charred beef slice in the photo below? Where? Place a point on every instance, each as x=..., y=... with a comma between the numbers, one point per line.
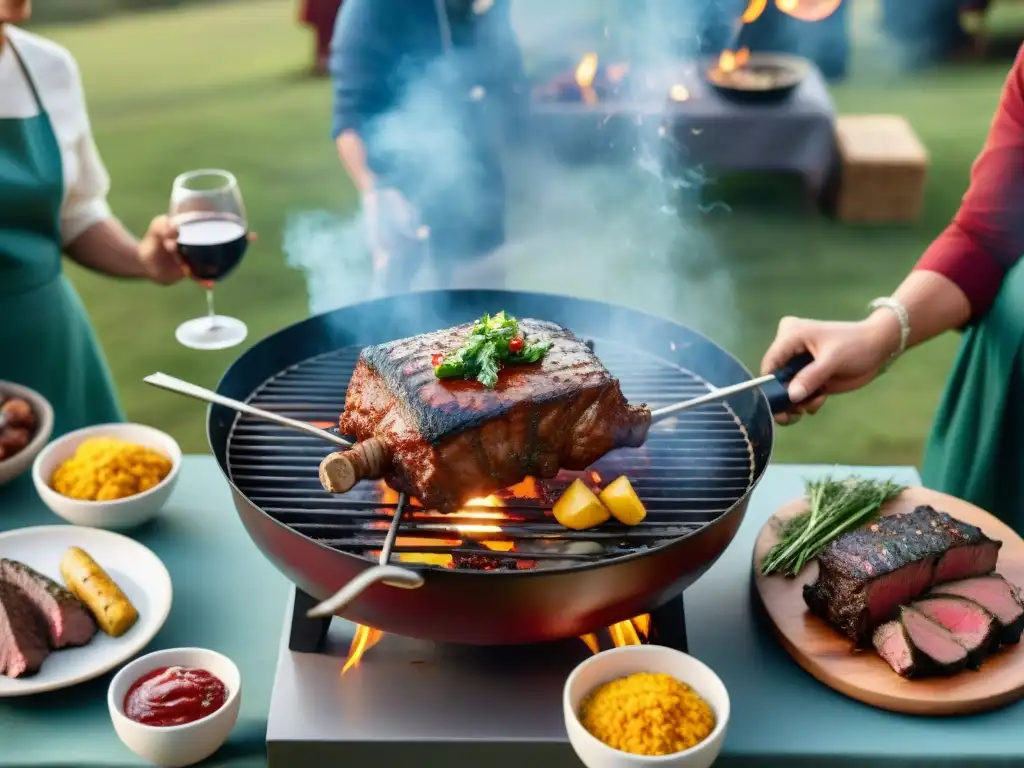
x=997, y=596
x=23, y=637
x=971, y=625
x=915, y=646
x=866, y=575
x=68, y=621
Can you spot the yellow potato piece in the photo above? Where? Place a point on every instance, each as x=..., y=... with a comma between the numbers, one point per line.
x=622, y=501
x=578, y=508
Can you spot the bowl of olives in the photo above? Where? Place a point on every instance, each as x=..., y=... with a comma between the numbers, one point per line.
x=26, y=423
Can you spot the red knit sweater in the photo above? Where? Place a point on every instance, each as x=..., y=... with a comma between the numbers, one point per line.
x=986, y=237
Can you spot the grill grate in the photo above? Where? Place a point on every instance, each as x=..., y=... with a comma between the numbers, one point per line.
x=692, y=469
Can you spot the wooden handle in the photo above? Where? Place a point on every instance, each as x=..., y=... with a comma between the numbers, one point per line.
x=366, y=460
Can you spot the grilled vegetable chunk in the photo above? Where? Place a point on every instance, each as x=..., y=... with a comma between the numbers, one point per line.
x=90, y=583
x=578, y=508
x=622, y=502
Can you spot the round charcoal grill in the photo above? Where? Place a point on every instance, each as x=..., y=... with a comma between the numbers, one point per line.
x=518, y=577
x=692, y=469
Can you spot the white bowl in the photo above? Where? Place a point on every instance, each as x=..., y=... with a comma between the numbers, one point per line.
x=119, y=514
x=176, y=745
x=620, y=662
x=22, y=460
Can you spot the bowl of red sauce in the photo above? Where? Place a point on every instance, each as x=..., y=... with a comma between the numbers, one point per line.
x=176, y=707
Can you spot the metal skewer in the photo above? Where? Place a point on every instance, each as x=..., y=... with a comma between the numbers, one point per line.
x=173, y=384
x=713, y=396
x=392, y=575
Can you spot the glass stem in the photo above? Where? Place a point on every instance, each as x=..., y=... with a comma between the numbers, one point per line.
x=209, y=308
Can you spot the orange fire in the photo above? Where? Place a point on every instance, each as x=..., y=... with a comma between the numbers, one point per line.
x=808, y=10
x=804, y=10
x=363, y=640
x=753, y=11
x=586, y=71
x=730, y=61
x=630, y=632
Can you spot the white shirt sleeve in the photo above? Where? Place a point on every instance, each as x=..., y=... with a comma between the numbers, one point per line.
x=56, y=75
x=85, y=197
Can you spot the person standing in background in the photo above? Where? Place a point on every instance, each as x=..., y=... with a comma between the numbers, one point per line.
x=425, y=92
x=320, y=15
x=53, y=199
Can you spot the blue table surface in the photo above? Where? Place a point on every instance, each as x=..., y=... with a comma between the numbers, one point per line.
x=229, y=598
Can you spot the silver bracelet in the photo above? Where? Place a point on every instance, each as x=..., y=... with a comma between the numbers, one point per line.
x=887, y=302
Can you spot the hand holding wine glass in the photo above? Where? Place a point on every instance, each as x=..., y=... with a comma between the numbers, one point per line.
x=209, y=216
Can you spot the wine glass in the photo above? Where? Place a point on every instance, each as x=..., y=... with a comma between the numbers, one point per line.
x=207, y=210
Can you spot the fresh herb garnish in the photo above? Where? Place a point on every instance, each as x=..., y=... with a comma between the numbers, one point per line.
x=835, y=507
x=493, y=340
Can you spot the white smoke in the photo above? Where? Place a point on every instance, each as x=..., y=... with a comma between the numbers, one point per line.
x=619, y=231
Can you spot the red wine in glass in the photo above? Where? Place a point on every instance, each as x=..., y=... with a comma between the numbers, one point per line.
x=207, y=209
x=212, y=247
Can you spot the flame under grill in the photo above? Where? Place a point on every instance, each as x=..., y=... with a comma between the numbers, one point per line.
x=692, y=469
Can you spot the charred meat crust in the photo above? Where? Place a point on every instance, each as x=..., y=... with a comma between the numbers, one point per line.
x=438, y=409
x=866, y=575
x=452, y=440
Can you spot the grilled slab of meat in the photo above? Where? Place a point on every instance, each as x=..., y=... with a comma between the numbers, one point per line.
x=447, y=441
x=997, y=596
x=68, y=621
x=866, y=575
x=23, y=637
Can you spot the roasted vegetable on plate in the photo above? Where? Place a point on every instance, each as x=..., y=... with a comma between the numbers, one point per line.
x=88, y=582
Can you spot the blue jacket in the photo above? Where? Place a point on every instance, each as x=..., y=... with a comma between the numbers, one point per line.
x=431, y=123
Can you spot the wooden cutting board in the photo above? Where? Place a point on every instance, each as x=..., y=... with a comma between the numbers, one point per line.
x=862, y=675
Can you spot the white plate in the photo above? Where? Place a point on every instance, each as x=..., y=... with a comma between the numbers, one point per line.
x=133, y=567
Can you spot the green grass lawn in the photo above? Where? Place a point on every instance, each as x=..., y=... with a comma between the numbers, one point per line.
x=221, y=87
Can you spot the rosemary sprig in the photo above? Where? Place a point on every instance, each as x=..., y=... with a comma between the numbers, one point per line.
x=834, y=508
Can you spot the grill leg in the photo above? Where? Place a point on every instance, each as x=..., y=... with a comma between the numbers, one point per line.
x=669, y=623
x=306, y=635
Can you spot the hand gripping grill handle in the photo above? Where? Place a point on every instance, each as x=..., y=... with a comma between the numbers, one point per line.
x=340, y=471
x=776, y=392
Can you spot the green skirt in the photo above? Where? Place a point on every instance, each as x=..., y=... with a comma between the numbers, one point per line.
x=976, y=448
x=47, y=343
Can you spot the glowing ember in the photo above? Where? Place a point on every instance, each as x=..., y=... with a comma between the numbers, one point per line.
x=679, y=92
x=527, y=489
